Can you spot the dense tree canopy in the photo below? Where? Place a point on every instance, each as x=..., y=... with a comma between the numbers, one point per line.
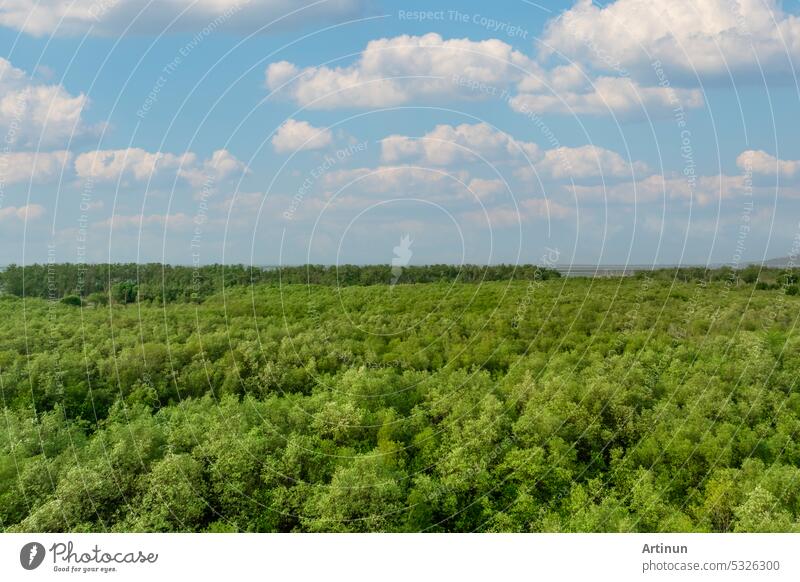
x=641, y=404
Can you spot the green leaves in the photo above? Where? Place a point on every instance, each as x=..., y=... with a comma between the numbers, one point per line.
x=641, y=405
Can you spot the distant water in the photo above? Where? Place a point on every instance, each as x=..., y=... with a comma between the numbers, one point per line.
x=589, y=270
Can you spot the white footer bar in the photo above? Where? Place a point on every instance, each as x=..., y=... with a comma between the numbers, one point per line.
x=389, y=557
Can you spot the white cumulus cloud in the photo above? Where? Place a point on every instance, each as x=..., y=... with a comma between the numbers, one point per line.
x=108, y=165
x=135, y=162
x=21, y=213
x=220, y=166
x=32, y=166
x=32, y=113
x=114, y=17
x=586, y=162
x=760, y=162
x=446, y=144
x=295, y=136
x=689, y=38
x=393, y=71
x=407, y=69
x=619, y=96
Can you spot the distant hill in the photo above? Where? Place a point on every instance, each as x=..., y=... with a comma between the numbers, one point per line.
x=781, y=262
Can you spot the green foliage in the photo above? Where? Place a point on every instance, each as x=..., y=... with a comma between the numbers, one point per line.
x=125, y=292
x=72, y=300
x=97, y=298
x=539, y=405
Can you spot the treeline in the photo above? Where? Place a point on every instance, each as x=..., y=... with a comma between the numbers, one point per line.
x=156, y=282
x=762, y=278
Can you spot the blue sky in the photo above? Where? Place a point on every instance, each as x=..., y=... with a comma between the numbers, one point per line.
x=285, y=131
